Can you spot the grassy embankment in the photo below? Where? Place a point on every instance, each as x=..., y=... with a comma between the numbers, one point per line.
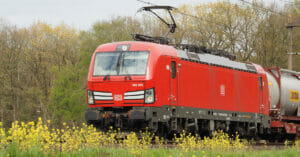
x=156, y=152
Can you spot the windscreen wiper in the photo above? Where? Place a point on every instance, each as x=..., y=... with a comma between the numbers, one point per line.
x=118, y=63
x=125, y=69
x=106, y=77
x=127, y=74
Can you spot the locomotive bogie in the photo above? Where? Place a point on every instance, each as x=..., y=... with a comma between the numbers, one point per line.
x=175, y=119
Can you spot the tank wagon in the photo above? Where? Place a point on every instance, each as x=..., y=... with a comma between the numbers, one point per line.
x=284, y=87
x=149, y=83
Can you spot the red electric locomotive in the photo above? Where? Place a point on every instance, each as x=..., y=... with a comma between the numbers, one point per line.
x=134, y=85
x=167, y=88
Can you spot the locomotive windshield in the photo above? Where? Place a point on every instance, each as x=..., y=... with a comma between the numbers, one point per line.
x=121, y=63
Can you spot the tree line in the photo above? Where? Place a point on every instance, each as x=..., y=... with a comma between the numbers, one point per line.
x=44, y=68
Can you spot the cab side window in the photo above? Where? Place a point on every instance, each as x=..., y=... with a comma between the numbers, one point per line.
x=173, y=69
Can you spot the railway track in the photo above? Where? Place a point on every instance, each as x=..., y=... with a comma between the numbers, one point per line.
x=256, y=145
x=263, y=144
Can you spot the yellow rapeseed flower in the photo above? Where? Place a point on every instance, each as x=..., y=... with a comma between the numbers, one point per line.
x=68, y=139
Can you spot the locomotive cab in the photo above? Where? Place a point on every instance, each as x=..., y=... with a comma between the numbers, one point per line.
x=118, y=78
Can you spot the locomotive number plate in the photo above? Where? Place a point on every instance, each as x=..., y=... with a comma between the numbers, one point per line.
x=137, y=85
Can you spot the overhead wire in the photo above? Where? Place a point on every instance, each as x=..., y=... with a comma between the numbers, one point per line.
x=290, y=3
x=183, y=13
x=149, y=3
x=243, y=1
x=263, y=8
x=219, y=23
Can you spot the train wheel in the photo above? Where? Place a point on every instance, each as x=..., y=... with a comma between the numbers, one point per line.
x=161, y=130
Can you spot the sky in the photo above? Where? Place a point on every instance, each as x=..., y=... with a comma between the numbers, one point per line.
x=80, y=14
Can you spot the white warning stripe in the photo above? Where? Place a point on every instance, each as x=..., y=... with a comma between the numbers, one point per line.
x=135, y=97
x=135, y=93
x=103, y=98
x=103, y=93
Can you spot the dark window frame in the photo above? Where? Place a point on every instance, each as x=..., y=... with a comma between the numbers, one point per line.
x=173, y=69
x=123, y=74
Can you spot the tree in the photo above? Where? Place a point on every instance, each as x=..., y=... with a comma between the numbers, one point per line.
x=49, y=49
x=12, y=44
x=272, y=42
x=29, y=58
x=294, y=11
x=221, y=25
x=116, y=29
x=67, y=99
x=252, y=33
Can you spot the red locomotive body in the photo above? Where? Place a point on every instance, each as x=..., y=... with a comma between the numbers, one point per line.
x=134, y=85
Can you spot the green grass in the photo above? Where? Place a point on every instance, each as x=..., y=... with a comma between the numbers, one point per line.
x=12, y=151
x=181, y=153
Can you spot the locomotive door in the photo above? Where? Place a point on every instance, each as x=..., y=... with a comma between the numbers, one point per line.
x=261, y=93
x=174, y=82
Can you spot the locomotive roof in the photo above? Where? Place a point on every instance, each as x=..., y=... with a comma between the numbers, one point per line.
x=203, y=58
x=215, y=60
x=138, y=46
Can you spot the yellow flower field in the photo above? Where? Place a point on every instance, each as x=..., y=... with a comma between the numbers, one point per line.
x=69, y=139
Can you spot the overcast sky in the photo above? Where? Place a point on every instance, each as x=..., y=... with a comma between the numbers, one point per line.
x=80, y=14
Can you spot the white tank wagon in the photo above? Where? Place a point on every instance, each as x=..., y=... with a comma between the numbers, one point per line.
x=284, y=91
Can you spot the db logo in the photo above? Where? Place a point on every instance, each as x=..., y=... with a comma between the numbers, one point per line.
x=222, y=90
x=118, y=97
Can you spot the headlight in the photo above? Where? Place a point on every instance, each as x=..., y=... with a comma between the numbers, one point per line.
x=149, y=96
x=90, y=97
